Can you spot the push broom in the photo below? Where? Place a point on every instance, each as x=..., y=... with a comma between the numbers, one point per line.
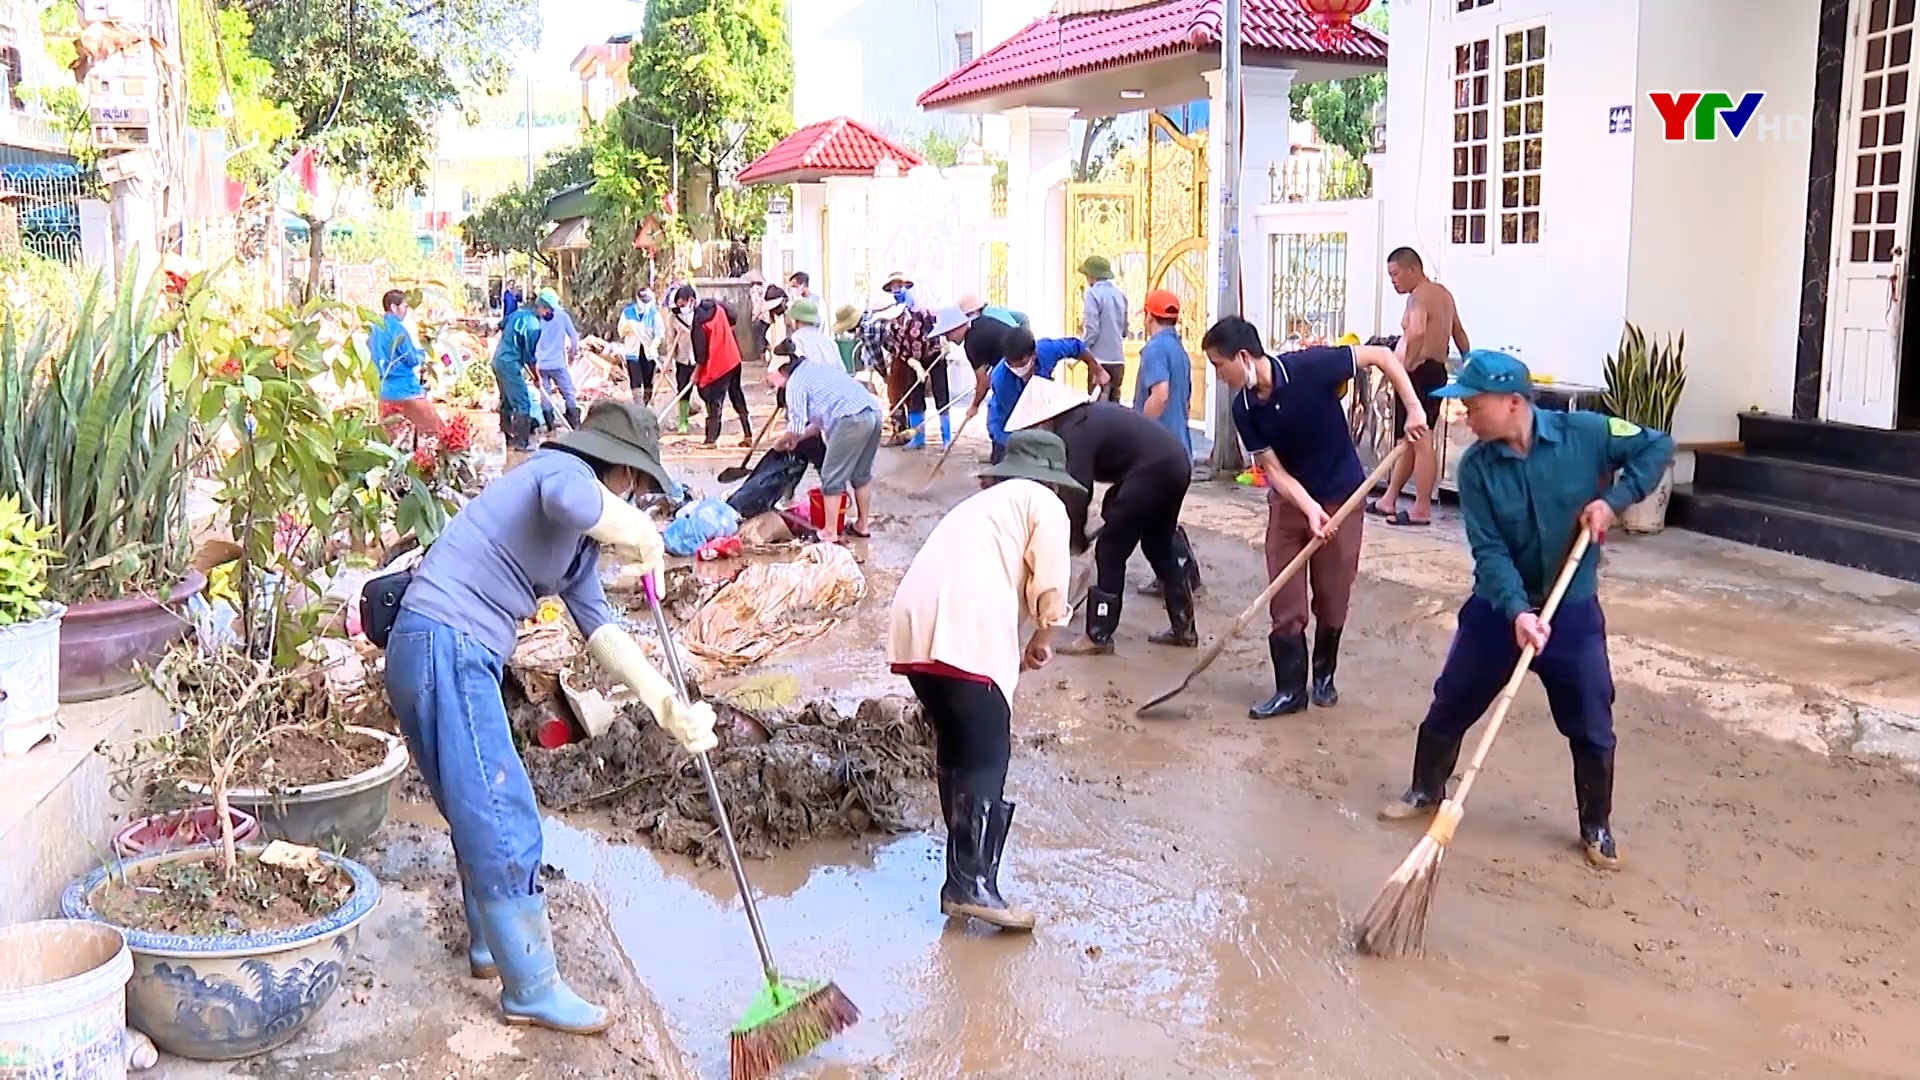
x=1395, y=927
x=787, y=1020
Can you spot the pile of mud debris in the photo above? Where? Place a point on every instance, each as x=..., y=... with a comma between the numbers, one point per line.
x=785, y=778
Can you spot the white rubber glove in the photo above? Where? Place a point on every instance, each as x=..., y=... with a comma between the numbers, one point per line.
x=626, y=527
x=690, y=725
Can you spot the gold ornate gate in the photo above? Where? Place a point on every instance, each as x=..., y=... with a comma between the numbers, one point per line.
x=1147, y=213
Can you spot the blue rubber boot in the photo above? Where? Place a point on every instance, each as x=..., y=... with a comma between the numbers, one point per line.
x=917, y=421
x=946, y=430
x=479, y=957
x=531, y=990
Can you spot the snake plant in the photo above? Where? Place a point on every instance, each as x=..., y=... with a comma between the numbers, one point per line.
x=96, y=443
x=1645, y=379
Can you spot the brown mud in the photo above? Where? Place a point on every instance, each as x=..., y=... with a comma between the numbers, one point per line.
x=785, y=779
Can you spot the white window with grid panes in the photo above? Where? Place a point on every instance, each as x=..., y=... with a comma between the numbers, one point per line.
x=1468, y=7
x=1523, y=126
x=1467, y=222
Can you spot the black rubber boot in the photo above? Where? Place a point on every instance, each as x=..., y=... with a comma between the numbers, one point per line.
x=1289, y=677
x=1182, y=634
x=1326, y=657
x=573, y=417
x=1189, y=562
x=1433, y=760
x=944, y=778
x=520, y=432
x=975, y=839
x=1593, y=791
x=1103, y=618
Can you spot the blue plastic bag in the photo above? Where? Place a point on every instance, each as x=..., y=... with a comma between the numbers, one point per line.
x=699, y=522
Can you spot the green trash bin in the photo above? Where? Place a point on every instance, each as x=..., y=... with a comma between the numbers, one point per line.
x=846, y=342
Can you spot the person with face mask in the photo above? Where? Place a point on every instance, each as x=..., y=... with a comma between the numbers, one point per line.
x=537, y=531
x=1288, y=411
x=640, y=331
x=716, y=359
x=512, y=361
x=676, y=347
x=559, y=342
x=1026, y=358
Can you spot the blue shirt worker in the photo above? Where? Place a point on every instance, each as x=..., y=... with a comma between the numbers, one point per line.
x=1288, y=412
x=1025, y=358
x=559, y=341
x=640, y=333
x=512, y=361
x=823, y=400
x=1533, y=480
x=537, y=531
x=397, y=358
x=1163, y=393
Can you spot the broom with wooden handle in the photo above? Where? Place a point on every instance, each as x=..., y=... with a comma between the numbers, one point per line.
x=1395, y=926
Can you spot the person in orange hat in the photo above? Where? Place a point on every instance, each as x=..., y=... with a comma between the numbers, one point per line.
x=1163, y=393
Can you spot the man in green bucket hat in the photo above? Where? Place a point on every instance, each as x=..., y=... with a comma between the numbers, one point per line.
x=537, y=531
x=954, y=633
x=1103, y=321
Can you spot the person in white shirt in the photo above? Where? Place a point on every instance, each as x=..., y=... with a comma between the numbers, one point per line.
x=998, y=557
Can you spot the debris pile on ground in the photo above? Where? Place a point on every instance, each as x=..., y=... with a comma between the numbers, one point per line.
x=815, y=773
x=774, y=605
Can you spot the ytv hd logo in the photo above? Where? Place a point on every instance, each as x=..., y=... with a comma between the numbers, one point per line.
x=1699, y=116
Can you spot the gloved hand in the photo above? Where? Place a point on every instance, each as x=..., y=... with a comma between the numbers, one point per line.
x=627, y=528
x=691, y=725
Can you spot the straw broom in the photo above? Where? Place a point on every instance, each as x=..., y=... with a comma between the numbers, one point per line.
x=1395, y=927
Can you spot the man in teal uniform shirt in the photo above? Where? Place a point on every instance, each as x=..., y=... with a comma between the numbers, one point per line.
x=1527, y=486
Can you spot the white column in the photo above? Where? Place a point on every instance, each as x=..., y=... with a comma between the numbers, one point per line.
x=1267, y=142
x=972, y=187
x=1037, y=169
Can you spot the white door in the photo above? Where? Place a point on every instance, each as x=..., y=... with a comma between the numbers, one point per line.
x=1873, y=216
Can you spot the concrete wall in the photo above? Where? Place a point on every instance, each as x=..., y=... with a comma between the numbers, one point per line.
x=1718, y=229
x=1560, y=303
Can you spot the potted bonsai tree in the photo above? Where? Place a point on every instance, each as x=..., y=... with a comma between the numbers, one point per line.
x=1644, y=383
x=235, y=947
x=100, y=449
x=29, y=633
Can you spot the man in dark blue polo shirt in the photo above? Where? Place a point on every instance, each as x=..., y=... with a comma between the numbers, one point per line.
x=1527, y=486
x=1288, y=412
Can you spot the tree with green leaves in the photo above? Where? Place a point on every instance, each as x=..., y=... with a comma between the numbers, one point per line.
x=715, y=79
x=367, y=79
x=1341, y=110
x=514, y=220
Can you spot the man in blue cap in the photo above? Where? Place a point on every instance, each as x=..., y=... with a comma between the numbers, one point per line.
x=1531, y=482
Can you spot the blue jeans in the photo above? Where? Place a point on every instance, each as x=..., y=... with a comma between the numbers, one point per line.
x=445, y=688
x=561, y=380
x=1574, y=669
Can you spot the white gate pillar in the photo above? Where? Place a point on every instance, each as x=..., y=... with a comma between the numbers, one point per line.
x=1038, y=159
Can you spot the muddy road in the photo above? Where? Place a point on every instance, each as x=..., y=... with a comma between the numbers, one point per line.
x=1195, y=874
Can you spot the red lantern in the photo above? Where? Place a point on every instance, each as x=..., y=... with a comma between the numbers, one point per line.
x=1333, y=19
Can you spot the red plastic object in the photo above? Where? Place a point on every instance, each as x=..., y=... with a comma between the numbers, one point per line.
x=554, y=733
x=817, y=512
x=720, y=547
x=180, y=830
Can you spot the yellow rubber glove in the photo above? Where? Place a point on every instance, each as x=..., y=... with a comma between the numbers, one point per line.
x=690, y=725
x=627, y=528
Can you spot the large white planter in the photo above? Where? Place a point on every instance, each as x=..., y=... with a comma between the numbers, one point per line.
x=1649, y=515
x=29, y=681
x=63, y=1000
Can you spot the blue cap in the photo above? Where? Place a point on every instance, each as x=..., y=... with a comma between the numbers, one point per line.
x=1488, y=372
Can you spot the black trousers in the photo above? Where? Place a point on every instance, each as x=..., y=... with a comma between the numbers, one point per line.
x=972, y=732
x=1142, y=511
x=1115, y=374
x=725, y=388
x=640, y=371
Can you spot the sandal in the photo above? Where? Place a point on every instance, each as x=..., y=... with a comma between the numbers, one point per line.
x=1400, y=519
x=1373, y=508
x=856, y=532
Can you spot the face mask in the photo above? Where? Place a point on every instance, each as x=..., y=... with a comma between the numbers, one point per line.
x=1023, y=372
x=548, y=317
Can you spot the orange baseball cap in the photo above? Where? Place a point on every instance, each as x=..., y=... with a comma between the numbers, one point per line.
x=1162, y=304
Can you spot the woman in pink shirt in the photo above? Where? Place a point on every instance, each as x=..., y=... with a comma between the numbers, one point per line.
x=955, y=634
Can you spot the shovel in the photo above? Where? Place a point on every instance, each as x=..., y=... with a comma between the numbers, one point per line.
x=740, y=472
x=1219, y=645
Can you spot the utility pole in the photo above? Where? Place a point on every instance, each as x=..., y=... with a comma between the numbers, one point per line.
x=1226, y=444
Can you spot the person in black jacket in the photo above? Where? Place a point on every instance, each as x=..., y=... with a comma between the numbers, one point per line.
x=1109, y=443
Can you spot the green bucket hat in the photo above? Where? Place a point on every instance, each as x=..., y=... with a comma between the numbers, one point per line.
x=1097, y=267
x=620, y=433
x=803, y=313
x=1034, y=455
x=549, y=298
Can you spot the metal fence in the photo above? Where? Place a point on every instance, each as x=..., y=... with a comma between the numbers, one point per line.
x=1319, y=178
x=48, y=206
x=1309, y=286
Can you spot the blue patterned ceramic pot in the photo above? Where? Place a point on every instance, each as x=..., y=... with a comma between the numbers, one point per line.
x=234, y=996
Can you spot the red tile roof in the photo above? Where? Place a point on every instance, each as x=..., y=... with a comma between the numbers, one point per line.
x=839, y=147
x=1056, y=47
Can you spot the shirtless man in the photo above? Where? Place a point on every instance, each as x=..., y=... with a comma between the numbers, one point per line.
x=1430, y=323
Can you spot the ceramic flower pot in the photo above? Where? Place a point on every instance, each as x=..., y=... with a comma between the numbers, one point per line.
x=1649, y=515
x=235, y=995
x=346, y=812
x=29, y=680
x=180, y=830
x=102, y=640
